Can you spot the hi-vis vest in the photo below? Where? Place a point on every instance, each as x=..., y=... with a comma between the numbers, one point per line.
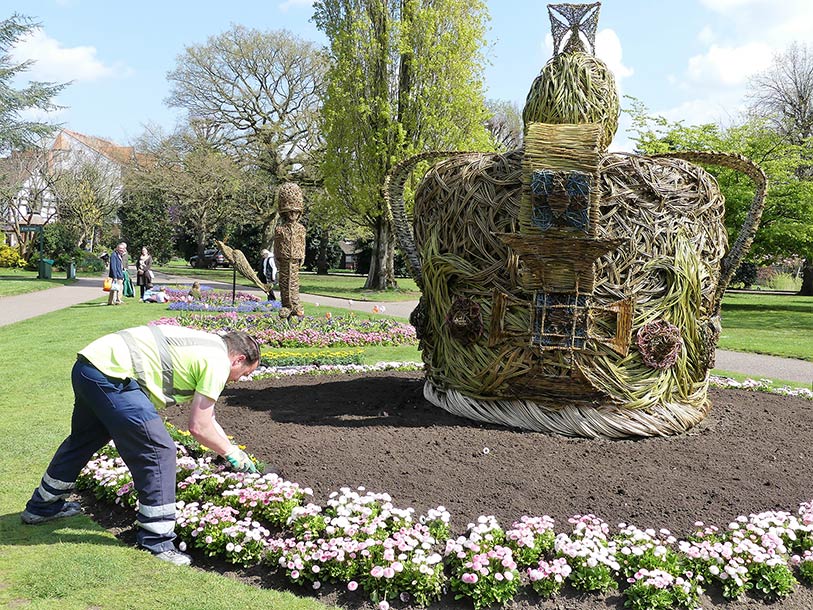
x=170, y=363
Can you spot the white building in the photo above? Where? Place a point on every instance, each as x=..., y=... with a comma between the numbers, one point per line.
x=27, y=178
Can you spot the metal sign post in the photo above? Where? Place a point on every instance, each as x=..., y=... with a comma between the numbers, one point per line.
x=33, y=229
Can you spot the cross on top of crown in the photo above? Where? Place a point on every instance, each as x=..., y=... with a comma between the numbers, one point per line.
x=577, y=20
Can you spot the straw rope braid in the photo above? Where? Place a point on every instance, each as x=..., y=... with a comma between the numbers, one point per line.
x=574, y=88
x=590, y=422
x=745, y=237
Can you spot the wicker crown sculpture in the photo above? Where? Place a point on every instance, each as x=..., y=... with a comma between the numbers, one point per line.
x=564, y=288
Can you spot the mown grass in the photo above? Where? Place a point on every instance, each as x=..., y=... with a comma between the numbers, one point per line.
x=20, y=281
x=778, y=325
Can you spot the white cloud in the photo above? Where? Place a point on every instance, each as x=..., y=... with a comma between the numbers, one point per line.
x=720, y=109
x=53, y=62
x=776, y=22
x=728, y=66
x=608, y=49
x=289, y=4
x=715, y=81
x=41, y=116
x=706, y=36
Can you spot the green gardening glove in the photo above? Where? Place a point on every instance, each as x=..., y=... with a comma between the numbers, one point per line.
x=240, y=460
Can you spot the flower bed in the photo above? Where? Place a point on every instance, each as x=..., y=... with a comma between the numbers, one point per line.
x=759, y=385
x=270, y=330
x=266, y=372
x=360, y=540
x=217, y=301
x=283, y=358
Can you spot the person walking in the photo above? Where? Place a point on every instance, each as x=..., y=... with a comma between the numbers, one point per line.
x=116, y=273
x=118, y=381
x=144, y=271
x=269, y=273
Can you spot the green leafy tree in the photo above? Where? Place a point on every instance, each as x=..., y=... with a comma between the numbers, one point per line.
x=406, y=76
x=783, y=95
x=203, y=188
x=16, y=132
x=786, y=229
x=146, y=221
x=87, y=197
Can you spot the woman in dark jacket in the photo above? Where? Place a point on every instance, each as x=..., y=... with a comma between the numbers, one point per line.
x=144, y=270
x=116, y=273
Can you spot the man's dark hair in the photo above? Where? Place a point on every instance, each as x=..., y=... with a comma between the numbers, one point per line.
x=238, y=342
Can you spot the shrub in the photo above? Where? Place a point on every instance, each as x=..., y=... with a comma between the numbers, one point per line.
x=10, y=257
x=784, y=281
x=746, y=274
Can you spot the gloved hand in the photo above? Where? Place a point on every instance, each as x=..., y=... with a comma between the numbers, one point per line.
x=239, y=460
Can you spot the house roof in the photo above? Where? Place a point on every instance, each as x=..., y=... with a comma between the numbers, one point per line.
x=347, y=246
x=114, y=152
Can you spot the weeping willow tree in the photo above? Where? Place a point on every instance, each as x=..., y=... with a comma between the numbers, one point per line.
x=405, y=76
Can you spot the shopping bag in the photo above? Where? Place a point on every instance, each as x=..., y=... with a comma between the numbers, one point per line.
x=108, y=282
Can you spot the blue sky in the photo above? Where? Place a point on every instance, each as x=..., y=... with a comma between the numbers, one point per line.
x=685, y=59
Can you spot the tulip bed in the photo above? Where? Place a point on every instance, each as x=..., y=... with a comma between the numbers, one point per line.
x=360, y=540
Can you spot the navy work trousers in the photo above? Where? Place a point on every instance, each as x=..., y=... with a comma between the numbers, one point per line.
x=105, y=408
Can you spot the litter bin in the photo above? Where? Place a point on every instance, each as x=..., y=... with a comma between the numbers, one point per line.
x=71, y=271
x=46, y=266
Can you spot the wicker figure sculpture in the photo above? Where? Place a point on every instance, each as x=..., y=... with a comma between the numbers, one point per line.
x=289, y=248
x=564, y=288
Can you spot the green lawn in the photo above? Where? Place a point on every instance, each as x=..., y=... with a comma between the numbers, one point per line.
x=339, y=285
x=768, y=324
x=20, y=281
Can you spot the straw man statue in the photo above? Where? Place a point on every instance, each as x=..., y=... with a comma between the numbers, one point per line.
x=289, y=248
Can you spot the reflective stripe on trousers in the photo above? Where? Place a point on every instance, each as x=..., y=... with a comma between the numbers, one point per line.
x=105, y=408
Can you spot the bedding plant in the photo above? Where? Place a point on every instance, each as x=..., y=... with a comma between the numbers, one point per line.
x=271, y=331
x=361, y=541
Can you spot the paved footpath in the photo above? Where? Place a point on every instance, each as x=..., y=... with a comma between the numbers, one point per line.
x=24, y=306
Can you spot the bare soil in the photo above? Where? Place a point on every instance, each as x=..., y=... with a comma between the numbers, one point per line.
x=751, y=454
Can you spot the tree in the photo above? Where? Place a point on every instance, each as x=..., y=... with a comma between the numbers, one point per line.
x=406, y=76
x=505, y=124
x=16, y=132
x=255, y=96
x=87, y=196
x=783, y=94
x=27, y=179
x=258, y=93
x=145, y=221
x=785, y=229
x=203, y=188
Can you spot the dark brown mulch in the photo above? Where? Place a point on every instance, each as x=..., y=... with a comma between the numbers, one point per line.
x=751, y=454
